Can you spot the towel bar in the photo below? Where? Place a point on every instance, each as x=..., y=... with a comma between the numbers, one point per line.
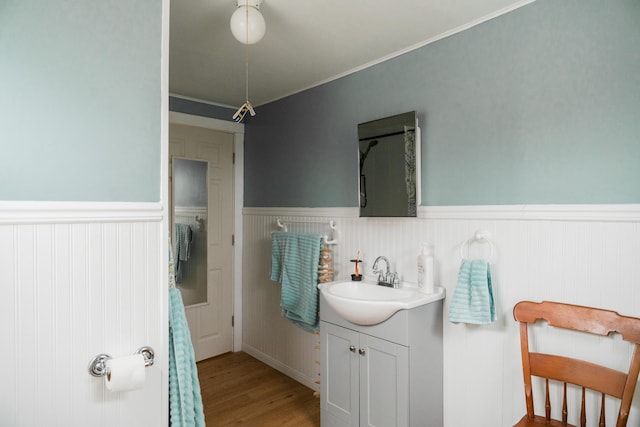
x=332, y=225
x=98, y=365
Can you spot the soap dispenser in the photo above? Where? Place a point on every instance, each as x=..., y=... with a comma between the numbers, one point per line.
x=425, y=269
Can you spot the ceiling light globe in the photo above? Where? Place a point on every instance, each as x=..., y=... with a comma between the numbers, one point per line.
x=255, y=22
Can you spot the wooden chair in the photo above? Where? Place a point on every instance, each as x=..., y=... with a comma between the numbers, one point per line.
x=573, y=371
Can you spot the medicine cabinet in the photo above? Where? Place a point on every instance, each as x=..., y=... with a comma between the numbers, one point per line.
x=389, y=166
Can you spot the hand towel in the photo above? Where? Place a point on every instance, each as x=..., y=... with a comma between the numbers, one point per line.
x=294, y=263
x=473, y=297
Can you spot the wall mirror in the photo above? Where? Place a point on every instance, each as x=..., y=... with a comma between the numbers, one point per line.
x=389, y=157
x=190, y=214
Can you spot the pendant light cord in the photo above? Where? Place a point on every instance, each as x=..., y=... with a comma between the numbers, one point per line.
x=247, y=107
x=246, y=52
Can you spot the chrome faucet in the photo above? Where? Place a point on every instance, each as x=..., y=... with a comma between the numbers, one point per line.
x=386, y=278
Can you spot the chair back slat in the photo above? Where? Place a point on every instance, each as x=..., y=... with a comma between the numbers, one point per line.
x=579, y=372
x=579, y=318
x=584, y=374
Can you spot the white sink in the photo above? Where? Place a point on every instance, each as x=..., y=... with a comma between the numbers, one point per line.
x=365, y=303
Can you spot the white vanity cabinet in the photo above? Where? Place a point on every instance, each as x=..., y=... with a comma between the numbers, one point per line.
x=384, y=375
x=366, y=377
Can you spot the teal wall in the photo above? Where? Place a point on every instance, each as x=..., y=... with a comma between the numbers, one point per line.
x=80, y=111
x=538, y=106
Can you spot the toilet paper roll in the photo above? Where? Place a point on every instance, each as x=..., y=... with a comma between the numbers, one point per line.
x=125, y=373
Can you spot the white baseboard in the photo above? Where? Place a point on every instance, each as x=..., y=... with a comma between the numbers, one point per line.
x=275, y=364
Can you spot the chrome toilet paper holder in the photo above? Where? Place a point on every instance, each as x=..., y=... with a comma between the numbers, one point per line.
x=98, y=365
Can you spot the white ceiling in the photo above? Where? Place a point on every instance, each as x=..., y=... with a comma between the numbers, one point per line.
x=308, y=42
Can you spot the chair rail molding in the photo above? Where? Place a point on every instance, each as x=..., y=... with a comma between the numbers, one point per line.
x=79, y=212
x=603, y=212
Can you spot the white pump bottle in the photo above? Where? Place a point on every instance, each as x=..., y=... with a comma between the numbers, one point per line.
x=425, y=269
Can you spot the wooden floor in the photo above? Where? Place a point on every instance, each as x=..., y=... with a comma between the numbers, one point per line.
x=237, y=389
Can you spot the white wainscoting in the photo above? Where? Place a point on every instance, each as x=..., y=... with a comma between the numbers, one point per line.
x=80, y=279
x=584, y=255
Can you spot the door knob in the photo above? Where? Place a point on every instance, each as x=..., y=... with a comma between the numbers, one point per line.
x=352, y=348
x=361, y=351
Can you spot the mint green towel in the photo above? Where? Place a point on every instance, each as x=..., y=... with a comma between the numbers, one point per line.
x=185, y=398
x=473, y=297
x=294, y=263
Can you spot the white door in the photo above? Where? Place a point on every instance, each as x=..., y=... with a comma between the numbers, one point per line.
x=210, y=320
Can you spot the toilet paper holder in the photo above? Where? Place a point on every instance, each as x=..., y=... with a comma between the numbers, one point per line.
x=98, y=365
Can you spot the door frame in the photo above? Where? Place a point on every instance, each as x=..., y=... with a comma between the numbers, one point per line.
x=237, y=129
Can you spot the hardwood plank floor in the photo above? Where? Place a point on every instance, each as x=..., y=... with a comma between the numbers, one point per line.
x=238, y=389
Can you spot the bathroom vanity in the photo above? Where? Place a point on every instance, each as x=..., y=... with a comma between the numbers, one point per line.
x=386, y=374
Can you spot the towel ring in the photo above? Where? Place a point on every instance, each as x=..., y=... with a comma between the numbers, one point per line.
x=481, y=236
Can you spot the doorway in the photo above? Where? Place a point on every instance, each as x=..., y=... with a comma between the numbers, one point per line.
x=203, y=217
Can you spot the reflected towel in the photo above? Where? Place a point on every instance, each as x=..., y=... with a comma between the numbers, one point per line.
x=473, y=297
x=172, y=270
x=294, y=263
x=183, y=248
x=183, y=241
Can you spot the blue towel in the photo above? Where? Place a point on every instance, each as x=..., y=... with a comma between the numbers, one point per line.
x=294, y=263
x=473, y=297
x=185, y=398
x=183, y=248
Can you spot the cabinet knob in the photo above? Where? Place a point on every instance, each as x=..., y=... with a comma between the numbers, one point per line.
x=361, y=351
x=352, y=348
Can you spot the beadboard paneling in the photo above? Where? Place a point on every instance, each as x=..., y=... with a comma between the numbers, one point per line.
x=73, y=290
x=576, y=254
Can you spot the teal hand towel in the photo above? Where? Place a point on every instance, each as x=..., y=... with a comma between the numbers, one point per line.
x=472, y=300
x=294, y=263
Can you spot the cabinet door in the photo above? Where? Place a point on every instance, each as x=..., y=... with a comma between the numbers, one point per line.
x=384, y=383
x=339, y=379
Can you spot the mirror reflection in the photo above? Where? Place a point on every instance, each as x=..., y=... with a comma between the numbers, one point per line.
x=190, y=213
x=389, y=154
